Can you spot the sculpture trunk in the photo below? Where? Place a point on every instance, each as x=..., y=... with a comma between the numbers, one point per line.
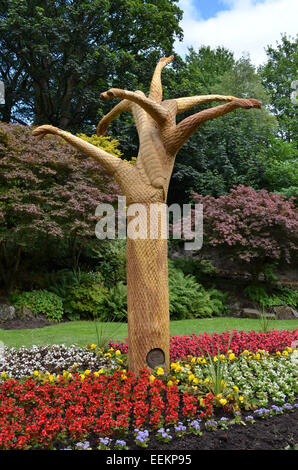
x=148, y=298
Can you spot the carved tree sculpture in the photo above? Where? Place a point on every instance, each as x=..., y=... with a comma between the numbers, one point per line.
x=147, y=182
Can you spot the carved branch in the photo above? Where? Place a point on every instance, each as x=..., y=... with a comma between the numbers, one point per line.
x=107, y=160
x=190, y=124
x=155, y=110
x=104, y=123
x=183, y=104
x=155, y=93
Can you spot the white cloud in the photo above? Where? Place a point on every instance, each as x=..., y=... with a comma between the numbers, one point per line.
x=248, y=27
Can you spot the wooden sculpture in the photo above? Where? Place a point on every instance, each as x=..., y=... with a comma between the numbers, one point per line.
x=147, y=182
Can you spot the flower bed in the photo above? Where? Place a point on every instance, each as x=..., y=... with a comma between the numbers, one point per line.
x=106, y=407
x=238, y=341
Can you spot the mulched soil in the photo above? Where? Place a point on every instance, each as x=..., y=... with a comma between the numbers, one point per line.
x=24, y=324
x=275, y=433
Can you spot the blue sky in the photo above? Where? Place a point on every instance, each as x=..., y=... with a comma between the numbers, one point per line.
x=208, y=8
x=245, y=27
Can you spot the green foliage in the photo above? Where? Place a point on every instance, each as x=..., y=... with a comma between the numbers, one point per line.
x=281, y=296
x=85, y=301
x=232, y=149
x=106, y=143
x=290, y=192
x=61, y=281
x=200, y=268
x=277, y=76
x=188, y=299
x=40, y=302
x=83, y=46
x=110, y=259
x=115, y=304
x=82, y=292
x=85, y=295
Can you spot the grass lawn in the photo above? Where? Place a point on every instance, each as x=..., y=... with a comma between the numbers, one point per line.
x=84, y=332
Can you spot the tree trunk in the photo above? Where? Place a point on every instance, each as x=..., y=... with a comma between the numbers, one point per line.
x=148, y=300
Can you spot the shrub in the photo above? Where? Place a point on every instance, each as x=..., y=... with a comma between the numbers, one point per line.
x=250, y=227
x=48, y=196
x=199, y=268
x=110, y=258
x=115, y=304
x=188, y=299
x=281, y=296
x=86, y=301
x=40, y=302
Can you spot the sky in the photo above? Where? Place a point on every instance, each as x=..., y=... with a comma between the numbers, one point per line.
x=245, y=27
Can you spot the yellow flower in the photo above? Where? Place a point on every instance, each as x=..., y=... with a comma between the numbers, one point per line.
x=215, y=359
x=241, y=398
x=96, y=374
x=151, y=378
x=108, y=355
x=257, y=356
x=123, y=377
x=278, y=353
x=222, y=357
x=191, y=377
x=219, y=395
x=3, y=375
x=36, y=373
x=111, y=349
x=285, y=353
x=235, y=388
x=100, y=371
x=173, y=365
x=160, y=371
x=170, y=383
x=223, y=401
x=51, y=378
x=195, y=380
x=118, y=352
x=87, y=372
x=193, y=360
x=92, y=346
x=232, y=356
x=206, y=380
x=187, y=366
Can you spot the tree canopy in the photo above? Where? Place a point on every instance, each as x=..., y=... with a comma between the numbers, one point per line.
x=57, y=56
